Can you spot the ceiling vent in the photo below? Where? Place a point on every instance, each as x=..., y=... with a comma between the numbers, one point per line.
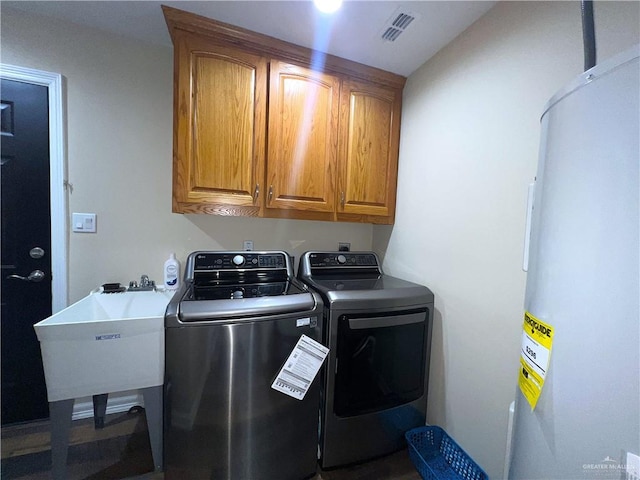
x=400, y=21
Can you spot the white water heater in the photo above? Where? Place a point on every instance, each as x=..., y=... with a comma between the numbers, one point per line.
x=584, y=282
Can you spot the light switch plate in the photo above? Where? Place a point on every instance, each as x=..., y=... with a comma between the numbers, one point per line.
x=83, y=222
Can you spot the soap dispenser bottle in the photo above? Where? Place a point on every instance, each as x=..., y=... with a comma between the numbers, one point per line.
x=172, y=273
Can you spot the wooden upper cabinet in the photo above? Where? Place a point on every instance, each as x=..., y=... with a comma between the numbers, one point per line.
x=220, y=125
x=259, y=132
x=302, y=136
x=369, y=140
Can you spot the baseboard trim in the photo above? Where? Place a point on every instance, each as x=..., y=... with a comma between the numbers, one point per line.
x=116, y=403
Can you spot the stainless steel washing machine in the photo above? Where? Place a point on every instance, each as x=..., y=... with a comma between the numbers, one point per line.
x=378, y=330
x=229, y=330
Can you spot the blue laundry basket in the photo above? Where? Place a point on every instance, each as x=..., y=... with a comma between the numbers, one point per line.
x=437, y=456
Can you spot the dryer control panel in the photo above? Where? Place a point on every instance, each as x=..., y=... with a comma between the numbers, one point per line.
x=342, y=259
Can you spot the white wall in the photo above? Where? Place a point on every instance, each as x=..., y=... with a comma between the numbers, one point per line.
x=469, y=147
x=119, y=100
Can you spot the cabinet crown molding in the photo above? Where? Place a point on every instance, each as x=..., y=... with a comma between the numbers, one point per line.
x=227, y=34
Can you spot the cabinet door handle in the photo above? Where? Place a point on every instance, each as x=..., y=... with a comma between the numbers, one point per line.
x=342, y=198
x=256, y=192
x=270, y=193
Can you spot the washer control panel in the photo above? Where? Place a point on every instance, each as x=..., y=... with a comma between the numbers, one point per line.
x=209, y=261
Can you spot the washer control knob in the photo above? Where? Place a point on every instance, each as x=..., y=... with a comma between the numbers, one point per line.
x=341, y=259
x=238, y=260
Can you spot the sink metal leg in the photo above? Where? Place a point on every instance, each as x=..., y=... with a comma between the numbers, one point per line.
x=99, y=409
x=153, y=409
x=60, y=413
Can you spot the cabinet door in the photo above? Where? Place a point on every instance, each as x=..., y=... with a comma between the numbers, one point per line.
x=303, y=126
x=369, y=141
x=220, y=115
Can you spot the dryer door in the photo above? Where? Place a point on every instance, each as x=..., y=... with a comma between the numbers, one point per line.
x=380, y=361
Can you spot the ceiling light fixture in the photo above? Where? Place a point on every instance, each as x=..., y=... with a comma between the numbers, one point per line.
x=328, y=6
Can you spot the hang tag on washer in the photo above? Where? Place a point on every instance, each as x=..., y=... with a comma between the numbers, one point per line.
x=302, y=366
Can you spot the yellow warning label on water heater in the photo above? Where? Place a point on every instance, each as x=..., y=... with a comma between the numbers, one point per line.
x=537, y=338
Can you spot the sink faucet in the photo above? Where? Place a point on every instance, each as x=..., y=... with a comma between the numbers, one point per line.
x=144, y=285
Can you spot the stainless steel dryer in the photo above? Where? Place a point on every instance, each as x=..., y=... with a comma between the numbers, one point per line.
x=378, y=329
x=229, y=330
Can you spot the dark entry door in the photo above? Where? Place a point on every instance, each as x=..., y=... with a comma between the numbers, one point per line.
x=26, y=247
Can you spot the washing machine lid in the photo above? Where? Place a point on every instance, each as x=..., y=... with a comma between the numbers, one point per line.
x=254, y=308
x=229, y=285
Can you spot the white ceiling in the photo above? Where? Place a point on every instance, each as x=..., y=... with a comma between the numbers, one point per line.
x=353, y=32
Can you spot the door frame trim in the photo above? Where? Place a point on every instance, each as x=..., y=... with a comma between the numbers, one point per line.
x=57, y=177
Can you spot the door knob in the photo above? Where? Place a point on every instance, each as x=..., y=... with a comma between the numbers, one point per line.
x=35, y=276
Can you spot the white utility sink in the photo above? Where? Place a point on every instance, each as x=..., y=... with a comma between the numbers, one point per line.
x=104, y=343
